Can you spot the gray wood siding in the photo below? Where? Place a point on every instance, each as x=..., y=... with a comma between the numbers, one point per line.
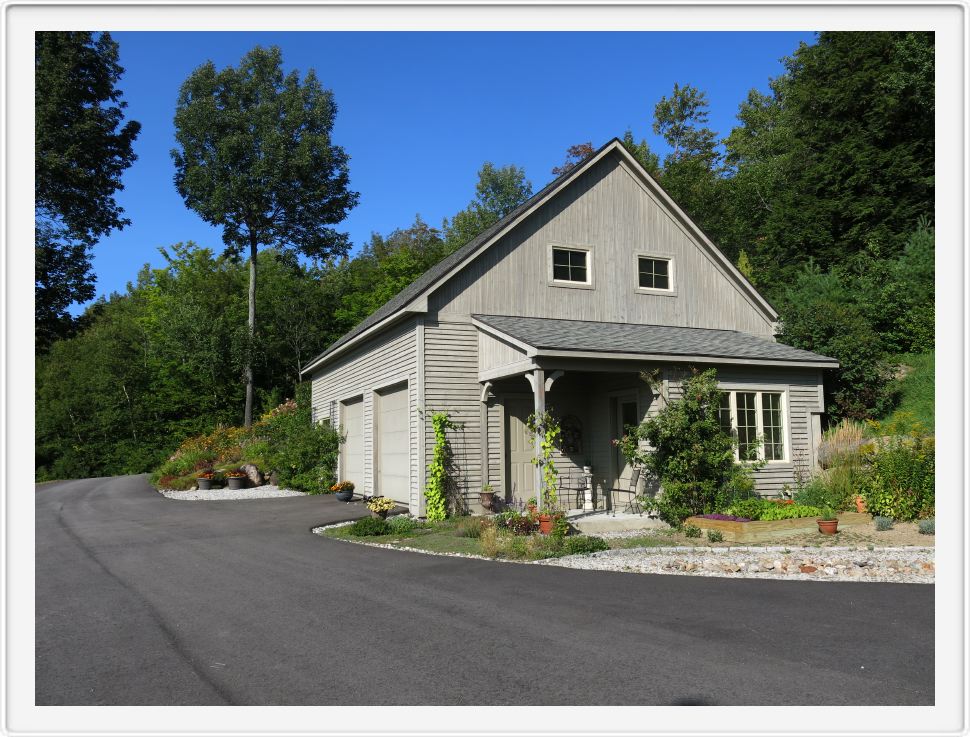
x=607, y=210
x=382, y=361
x=451, y=385
x=803, y=397
x=494, y=353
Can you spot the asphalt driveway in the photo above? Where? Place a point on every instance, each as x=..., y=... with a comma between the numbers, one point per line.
x=146, y=600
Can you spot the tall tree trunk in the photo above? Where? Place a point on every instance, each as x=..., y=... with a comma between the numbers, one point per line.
x=248, y=419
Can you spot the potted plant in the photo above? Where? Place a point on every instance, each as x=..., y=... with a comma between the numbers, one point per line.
x=344, y=489
x=828, y=522
x=379, y=506
x=236, y=479
x=204, y=480
x=487, y=498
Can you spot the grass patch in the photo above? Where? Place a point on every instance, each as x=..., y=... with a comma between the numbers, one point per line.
x=916, y=390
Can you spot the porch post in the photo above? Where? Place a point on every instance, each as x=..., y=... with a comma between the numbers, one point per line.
x=538, y=381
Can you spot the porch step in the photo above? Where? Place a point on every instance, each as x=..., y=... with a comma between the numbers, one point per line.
x=593, y=523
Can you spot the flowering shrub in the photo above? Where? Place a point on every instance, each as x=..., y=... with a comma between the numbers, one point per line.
x=381, y=504
x=899, y=480
x=207, y=475
x=516, y=523
x=343, y=486
x=235, y=474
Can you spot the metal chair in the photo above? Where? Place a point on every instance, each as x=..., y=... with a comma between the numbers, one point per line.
x=632, y=493
x=572, y=488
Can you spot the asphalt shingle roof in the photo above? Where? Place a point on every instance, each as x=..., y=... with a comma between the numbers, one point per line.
x=613, y=337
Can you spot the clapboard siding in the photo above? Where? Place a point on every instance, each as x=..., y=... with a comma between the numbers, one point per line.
x=494, y=353
x=451, y=385
x=384, y=359
x=608, y=210
x=803, y=397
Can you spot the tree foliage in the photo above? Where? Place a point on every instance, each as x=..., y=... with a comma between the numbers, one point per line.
x=82, y=147
x=255, y=157
x=498, y=192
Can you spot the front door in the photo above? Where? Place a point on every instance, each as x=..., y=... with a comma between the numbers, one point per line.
x=518, y=450
x=625, y=412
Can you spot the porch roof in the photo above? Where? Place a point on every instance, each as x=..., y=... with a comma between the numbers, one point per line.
x=550, y=337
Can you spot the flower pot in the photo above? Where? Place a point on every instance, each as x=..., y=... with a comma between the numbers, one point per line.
x=545, y=524
x=828, y=526
x=860, y=504
x=379, y=515
x=487, y=499
x=204, y=484
x=345, y=496
x=236, y=482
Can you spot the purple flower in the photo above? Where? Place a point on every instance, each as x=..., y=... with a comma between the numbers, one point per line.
x=725, y=517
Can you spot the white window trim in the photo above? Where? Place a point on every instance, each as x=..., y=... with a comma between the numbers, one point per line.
x=759, y=420
x=671, y=272
x=553, y=282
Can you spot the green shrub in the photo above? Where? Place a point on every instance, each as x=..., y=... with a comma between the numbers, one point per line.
x=583, y=544
x=369, y=527
x=303, y=454
x=814, y=494
x=715, y=536
x=899, y=481
x=927, y=527
x=692, y=531
x=883, y=523
x=692, y=456
x=403, y=523
x=469, y=526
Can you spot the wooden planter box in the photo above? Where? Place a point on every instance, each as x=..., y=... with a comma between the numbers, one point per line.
x=759, y=530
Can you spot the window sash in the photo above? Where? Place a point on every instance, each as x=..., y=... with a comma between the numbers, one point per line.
x=653, y=273
x=751, y=415
x=569, y=265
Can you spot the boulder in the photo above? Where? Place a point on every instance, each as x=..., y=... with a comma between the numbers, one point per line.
x=254, y=475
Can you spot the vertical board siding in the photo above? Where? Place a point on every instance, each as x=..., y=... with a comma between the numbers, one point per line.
x=386, y=358
x=608, y=211
x=451, y=385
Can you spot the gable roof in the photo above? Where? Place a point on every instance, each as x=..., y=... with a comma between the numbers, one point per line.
x=396, y=307
x=545, y=336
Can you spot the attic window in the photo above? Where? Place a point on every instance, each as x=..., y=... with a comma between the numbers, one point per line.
x=655, y=274
x=570, y=266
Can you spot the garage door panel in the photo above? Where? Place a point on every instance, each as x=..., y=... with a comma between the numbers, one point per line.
x=393, y=445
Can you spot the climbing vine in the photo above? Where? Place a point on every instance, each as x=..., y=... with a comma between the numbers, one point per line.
x=439, y=470
x=548, y=427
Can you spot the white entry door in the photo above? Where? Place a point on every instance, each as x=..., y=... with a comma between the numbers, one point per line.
x=519, y=451
x=352, y=449
x=393, y=447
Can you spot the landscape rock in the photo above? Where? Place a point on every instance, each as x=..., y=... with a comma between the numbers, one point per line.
x=254, y=475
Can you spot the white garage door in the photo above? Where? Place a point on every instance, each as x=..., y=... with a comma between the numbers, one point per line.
x=352, y=450
x=393, y=457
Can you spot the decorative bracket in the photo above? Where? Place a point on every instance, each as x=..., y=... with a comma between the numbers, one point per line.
x=552, y=378
x=486, y=392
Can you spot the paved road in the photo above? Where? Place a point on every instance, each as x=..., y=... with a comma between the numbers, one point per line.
x=146, y=600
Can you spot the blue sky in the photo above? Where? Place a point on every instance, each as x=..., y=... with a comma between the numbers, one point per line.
x=420, y=112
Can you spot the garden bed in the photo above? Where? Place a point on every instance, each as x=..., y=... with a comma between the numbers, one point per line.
x=758, y=530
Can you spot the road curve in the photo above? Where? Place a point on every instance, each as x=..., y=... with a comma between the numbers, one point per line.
x=146, y=600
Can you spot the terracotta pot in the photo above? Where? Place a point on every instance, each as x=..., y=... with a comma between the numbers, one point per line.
x=545, y=524
x=860, y=504
x=828, y=526
x=487, y=499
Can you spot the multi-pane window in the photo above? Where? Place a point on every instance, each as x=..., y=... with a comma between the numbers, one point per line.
x=756, y=419
x=570, y=265
x=654, y=272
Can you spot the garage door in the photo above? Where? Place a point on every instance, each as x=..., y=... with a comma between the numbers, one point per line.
x=352, y=450
x=393, y=456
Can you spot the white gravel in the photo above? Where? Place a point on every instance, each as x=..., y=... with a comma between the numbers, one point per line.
x=895, y=565
x=266, y=491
